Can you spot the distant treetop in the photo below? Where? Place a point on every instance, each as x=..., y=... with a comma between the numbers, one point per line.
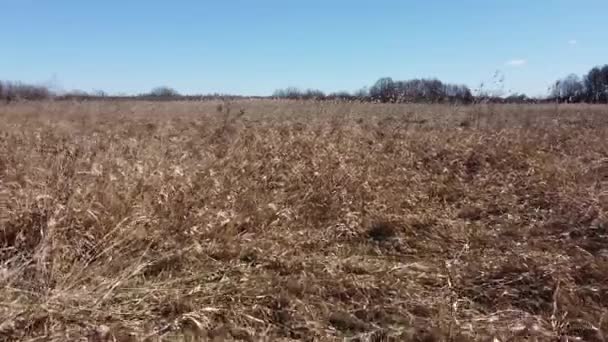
x=163, y=91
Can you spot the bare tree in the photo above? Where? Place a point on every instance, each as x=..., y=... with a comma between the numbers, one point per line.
x=570, y=89
x=383, y=90
x=163, y=91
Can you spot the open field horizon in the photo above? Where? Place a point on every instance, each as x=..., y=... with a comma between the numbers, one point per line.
x=299, y=220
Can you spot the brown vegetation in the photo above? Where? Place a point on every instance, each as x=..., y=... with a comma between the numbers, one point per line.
x=262, y=220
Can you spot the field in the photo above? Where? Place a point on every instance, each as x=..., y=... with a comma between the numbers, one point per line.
x=278, y=221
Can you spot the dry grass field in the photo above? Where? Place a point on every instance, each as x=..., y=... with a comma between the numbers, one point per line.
x=280, y=221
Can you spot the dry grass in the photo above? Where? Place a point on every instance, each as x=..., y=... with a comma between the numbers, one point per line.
x=298, y=221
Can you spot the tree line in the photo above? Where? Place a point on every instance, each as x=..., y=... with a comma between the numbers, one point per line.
x=387, y=90
x=13, y=91
x=18, y=90
x=591, y=87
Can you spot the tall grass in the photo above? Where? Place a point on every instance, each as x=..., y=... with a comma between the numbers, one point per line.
x=291, y=220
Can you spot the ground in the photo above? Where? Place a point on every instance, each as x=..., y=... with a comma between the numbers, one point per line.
x=279, y=221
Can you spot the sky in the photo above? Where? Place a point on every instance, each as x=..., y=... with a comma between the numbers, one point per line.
x=252, y=47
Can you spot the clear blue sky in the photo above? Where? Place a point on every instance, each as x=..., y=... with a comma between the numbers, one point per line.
x=253, y=47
